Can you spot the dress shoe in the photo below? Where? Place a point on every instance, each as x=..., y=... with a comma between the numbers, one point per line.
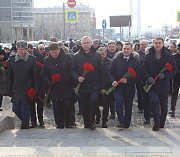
x=41, y=123
x=155, y=127
x=173, y=116
x=86, y=126
x=33, y=125
x=72, y=124
x=147, y=121
x=92, y=127
x=1, y=109
x=104, y=125
x=97, y=121
x=171, y=112
x=60, y=127
x=79, y=113
x=140, y=111
x=112, y=116
x=121, y=125
x=23, y=127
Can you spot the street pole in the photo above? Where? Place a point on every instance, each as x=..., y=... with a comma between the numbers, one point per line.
x=64, y=21
x=103, y=34
x=12, y=24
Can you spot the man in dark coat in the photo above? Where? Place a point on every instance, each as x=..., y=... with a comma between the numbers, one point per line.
x=96, y=44
x=125, y=91
x=139, y=85
x=59, y=62
x=22, y=75
x=176, y=82
x=154, y=62
x=92, y=83
x=40, y=89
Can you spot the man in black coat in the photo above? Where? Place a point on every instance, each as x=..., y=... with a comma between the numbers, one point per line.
x=92, y=83
x=176, y=83
x=154, y=62
x=125, y=91
x=139, y=84
x=22, y=75
x=59, y=62
x=40, y=90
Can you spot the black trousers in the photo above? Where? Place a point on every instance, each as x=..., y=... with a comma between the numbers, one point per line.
x=39, y=111
x=140, y=95
x=176, y=85
x=89, y=107
x=62, y=112
x=104, y=100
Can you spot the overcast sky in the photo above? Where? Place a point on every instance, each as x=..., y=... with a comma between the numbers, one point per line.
x=153, y=12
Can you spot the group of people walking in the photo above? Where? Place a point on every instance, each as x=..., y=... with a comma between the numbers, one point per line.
x=121, y=69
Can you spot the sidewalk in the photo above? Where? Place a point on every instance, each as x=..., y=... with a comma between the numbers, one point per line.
x=139, y=139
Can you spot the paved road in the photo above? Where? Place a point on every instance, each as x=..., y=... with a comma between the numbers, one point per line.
x=139, y=139
x=136, y=122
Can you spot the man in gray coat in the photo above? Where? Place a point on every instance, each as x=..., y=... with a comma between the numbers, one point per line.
x=22, y=75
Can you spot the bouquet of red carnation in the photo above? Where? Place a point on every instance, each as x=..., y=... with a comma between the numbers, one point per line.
x=40, y=64
x=167, y=67
x=4, y=64
x=31, y=92
x=87, y=68
x=47, y=55
x=55, y=78
x=130, y=73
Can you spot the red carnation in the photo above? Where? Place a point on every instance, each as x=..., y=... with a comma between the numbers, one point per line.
x=47, y=55
x=40, y=64
x=169, y=66
x=31, y=93
x=4, y=64
x=132, y=72
x=56, y=77
x=88, y=67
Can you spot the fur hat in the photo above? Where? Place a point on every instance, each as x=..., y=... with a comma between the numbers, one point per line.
x=96, y=41
x=22, y=43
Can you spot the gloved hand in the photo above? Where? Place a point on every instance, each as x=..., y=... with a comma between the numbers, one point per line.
x=151, y=80
x=160, y=76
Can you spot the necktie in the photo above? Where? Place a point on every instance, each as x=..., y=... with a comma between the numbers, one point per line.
x=126, y=59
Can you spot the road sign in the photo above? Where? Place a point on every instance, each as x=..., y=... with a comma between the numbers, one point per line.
x=71, y=15
x=71, y=3
x=104, y=24
x=178, y=16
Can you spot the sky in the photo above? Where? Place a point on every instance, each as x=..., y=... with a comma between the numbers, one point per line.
x=155, y=13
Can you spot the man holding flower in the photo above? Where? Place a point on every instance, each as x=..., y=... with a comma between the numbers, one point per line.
x=93, y=81
x=157, y=58
x=125, y=90
x=22, y=75
x=57, y=78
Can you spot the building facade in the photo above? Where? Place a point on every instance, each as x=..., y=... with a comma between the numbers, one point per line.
x=16, y=20
x=50, y=22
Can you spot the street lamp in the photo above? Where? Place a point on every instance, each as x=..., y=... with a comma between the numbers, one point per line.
x=21, y=15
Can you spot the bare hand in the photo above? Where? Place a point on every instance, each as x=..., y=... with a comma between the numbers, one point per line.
x=103, y=91
x=124, y=80
x=81, y=79
x=114, y=83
